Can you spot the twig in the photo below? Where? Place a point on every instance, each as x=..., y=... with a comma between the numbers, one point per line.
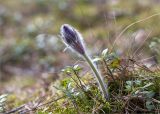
x=110, y=72
x=156, y=101
x=20, y=108
x=15, y=109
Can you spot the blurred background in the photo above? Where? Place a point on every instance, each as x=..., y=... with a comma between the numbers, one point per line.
x=30, y=46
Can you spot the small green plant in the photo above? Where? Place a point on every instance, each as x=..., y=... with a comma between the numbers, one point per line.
x=80, y=93
x=3, y=99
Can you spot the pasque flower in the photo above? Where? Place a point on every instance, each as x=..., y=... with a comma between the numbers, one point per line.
x=73, y=39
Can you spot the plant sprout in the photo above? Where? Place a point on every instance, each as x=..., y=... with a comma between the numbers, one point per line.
x=74, y=40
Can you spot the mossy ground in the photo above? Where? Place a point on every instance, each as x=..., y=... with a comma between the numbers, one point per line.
x=131, y=91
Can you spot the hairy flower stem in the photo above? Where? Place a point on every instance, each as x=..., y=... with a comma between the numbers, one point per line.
x=73, y=39
x=99, y=78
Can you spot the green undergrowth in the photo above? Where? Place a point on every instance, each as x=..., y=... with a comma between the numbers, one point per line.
x=132, y=94
x=131, y=89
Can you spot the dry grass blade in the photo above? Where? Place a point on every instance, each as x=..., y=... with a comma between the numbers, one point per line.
x=126, y=28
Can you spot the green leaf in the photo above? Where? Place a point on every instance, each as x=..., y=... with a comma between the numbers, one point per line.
x=97, y=59
x=69, y=85
x=128, y=88
x=150, y=94
x=147, y=85
x=68, y=69
x=115, y=63
x=3, y=96
x=1, y=109
x=138, y=82
x=77, y=67
x=65, y=82
x=3, y=100
x=105, y=52
x=149, y=105
x=130, y=83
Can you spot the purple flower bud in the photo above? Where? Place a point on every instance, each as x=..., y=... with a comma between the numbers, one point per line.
x=72, y=38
